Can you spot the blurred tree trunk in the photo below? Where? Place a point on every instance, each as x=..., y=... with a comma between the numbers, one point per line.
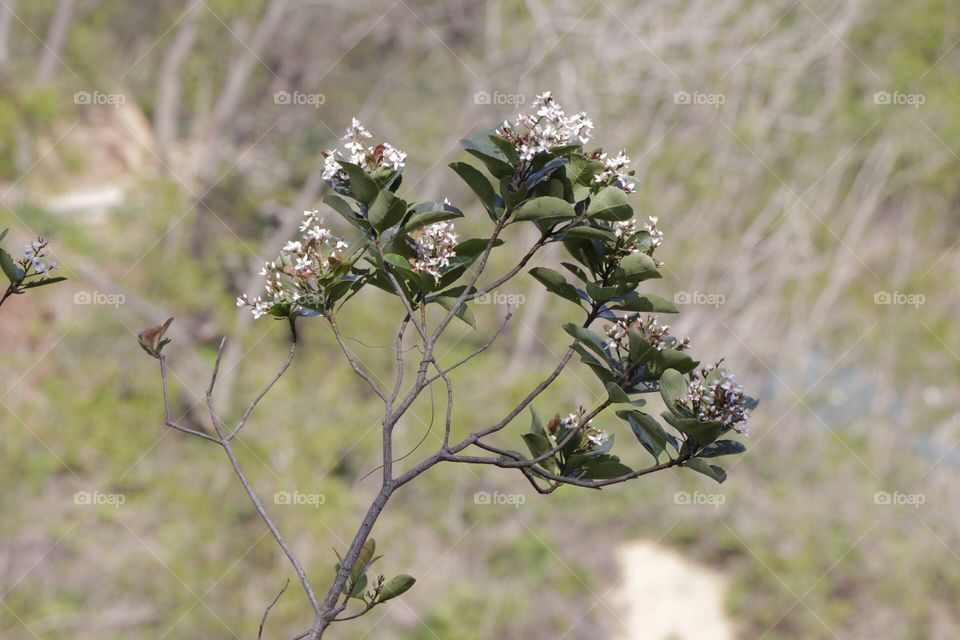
x=168, y=101
x=56, y=37
x=6, y=18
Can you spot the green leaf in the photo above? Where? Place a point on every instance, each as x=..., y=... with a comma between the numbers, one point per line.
x=673, y=359
x=617, y=394
x=474, y=246
x=556, y=283
x=386, y=210
x=464, y=312
x=395, y=586
x=479, y=184
x=536, y=425
x=648, y=431
x=362, y=186
x=424, y=218
x=672, y=387
x=610, y=204
x=341, y=206
x=647, y=303
x=538, y=445
x=722, y=448
x=364, y=559
x=702, y=432
x=588, y=338
x=636, y=268
x=606, y=470
x=591, y=233
x=545, y=208
x=709, y=470
x=601, y=294
x=41, y=283
x=580, y=172
x=10, y=269
x=3, y=234
x=483, y=147
x=640, y=349
x=358, y=587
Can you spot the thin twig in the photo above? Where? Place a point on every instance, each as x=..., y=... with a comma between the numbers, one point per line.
x=266, y=612
x=283, y=369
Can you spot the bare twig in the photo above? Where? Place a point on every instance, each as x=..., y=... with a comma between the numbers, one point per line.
x=266, y=612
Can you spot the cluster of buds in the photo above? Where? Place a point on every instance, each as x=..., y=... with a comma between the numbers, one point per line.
x=630, y=240
x=616, y=171
x=295, y=278
x=658, y=335
x=434, y=247
x=545, y=127
x=370, y=159
x=716, y=396
x=36, y=256
x=559, y=428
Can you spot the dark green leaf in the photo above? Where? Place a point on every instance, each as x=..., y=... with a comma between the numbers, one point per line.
x=722, y=448
x=606, y=470
x=636, y=268
x=648, y=431
x=609, y=204
x=474, y=247
x=418, y=220
x=341, y=206
x=464, y=312
x=591, y=233
x=479, y=184
x=588, y=338
x=556, y=283
x=13, y=272
x=545, y=208
x=386, y=210
x=672, y=387
x=616, y=393
x=358, y=587
x=702, y=432
x=647, y=303
x=539, y=445
x=41, y=283
x=709, y=470
x=362, y=186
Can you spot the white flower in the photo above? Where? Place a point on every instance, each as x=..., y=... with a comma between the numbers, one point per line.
x=359, y=153
x=434, y=247
x=303, y=264
x=616, y=172
x=626, y=228
x=546, y=127
x=292, y=247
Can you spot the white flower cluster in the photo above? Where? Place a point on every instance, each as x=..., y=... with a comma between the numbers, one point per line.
x=616, y=171
x=546, y=127
x=715, y=395
x=35, y=254
x=558, y=428
x=294, y=277
x=658, y=335
x=625, y=230
x=434, y=247
x=383, y=155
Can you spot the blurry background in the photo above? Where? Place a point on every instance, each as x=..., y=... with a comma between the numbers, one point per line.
x=802, y=157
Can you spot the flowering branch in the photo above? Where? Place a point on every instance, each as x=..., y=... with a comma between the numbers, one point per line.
x=30, y=271
x=541, y=176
